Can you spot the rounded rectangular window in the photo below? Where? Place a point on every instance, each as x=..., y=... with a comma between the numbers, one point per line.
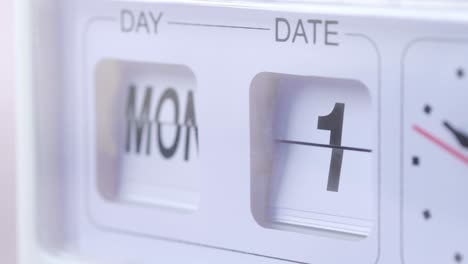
x=147, y=134
x=312, y=154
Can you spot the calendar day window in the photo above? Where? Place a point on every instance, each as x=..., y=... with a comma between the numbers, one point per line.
x=147, y=134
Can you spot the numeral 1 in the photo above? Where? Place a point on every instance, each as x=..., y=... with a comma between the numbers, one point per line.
x=334, y=123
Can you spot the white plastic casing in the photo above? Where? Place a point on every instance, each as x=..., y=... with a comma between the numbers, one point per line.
x=247, y=180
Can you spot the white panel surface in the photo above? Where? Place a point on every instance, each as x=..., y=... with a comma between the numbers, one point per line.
x=263, y=75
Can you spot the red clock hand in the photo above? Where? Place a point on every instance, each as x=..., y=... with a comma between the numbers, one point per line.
x=441, y=144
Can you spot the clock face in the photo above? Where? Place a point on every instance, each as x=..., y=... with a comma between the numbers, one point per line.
x=435, y=153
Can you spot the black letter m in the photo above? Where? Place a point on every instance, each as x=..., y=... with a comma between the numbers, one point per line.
x=140, y=123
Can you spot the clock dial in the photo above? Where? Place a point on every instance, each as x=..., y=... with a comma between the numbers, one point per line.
x=435, y=154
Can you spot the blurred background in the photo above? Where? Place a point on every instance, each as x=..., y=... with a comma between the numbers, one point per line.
x=7, y=135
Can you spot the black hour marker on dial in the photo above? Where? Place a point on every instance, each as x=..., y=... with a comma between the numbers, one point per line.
x=427, y=214
x=415, y=161
x=460, y=73
x=458, y=258
x=427, y=109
